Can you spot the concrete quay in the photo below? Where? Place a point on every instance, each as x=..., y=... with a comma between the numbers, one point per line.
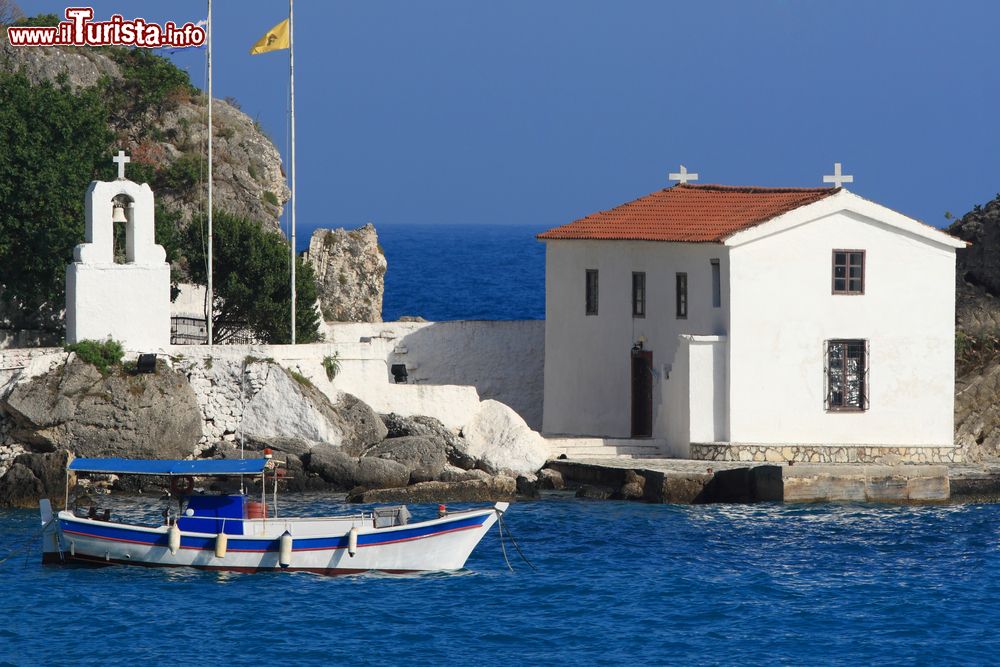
x=693, y=481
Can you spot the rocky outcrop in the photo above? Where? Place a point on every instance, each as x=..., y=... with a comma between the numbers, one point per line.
x=977, y=305
x=34, y=476
x=350, y=269
x=248, y=176
x=345, y=472
x=75, y=408
x=290, y=407
x=500, y=440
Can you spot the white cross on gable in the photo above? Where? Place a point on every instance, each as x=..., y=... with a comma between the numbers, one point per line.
x=121, y=159
x=683, y=176
x=838, y=179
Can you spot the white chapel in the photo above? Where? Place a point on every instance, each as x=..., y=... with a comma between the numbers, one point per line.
x=750, y=323
x=126, y=299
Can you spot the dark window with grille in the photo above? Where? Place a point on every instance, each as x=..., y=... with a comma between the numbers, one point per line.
x=591, y=291
x=848, y=271
x=716, y=284
x=682, y=296
x=847, y=375
x=638, y=294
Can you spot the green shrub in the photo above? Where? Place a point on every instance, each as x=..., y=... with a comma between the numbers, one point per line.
x=300, y=378
x=103, y=355
x=270, y=198
x=332, y=365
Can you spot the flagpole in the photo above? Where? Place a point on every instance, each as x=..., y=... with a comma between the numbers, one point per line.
x=210, y=309
x=291, y=80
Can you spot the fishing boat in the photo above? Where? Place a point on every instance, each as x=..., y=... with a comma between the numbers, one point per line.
x=235, y=532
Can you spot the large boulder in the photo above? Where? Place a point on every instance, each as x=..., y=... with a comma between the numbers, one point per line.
x=290, y=407
x=398, y=426
x=344, y=471
x=35, y=476
x=74, y=407
x=483, y=490
x=350, y=269
x=424, y=456
x=500, y=440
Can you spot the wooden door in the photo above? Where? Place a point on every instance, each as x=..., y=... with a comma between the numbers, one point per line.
x=642, y=394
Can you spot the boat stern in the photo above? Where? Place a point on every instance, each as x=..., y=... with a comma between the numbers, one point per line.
x=51, y=546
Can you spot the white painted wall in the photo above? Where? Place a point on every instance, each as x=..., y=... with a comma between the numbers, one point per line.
x=587, y=358
x=695, y=396
x=783, y=311
x=501, y=359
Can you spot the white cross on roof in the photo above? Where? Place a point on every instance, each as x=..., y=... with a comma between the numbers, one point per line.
x=838, y=179
x=121, y=159
x=683, y=176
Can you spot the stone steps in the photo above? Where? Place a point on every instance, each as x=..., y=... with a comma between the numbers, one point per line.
x=605, y=448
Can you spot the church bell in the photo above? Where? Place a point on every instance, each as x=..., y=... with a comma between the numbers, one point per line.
x=118, y=215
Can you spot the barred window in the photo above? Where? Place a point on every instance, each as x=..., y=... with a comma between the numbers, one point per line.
x=847, y=375
x=591, y=291
x=848, y=271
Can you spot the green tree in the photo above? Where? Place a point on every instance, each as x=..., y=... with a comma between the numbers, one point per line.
x=54, y=142
x=251, y=281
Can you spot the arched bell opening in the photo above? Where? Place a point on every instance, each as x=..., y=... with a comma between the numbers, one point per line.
x=123, y=222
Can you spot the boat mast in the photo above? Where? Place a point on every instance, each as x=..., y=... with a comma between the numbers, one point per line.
x=210, y=308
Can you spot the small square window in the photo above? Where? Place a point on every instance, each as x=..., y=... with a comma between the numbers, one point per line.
x=848, y=271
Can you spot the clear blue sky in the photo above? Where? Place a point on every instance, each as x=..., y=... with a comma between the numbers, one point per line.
x=534, y=111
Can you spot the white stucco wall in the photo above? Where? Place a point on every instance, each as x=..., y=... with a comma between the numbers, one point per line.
x=127, y=302
x=587, y=358
x=501, y=359
x=695, y=396
x=783, y=311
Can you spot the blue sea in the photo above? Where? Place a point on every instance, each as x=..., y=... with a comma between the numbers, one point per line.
x=463, y=272
x=617, y=583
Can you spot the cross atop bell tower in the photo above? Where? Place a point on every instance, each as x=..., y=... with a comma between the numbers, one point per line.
x=121, y=160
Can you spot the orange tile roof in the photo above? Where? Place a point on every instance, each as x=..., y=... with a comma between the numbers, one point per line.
x=690, y=213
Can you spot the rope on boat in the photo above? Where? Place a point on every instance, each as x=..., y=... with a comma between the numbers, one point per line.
x=27, y=543
x=503, y=549
x=513, y=541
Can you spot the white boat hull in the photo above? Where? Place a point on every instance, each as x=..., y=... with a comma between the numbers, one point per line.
x=321, y=546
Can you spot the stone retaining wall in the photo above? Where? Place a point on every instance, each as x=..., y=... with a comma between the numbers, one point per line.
x=716, y=451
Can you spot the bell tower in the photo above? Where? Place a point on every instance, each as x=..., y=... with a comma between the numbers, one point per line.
x=127, y=301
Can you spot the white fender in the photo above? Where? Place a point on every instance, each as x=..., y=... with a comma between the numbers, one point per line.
x=285, y=549
x=221, y=544
x=352, y=541
x=174, y=538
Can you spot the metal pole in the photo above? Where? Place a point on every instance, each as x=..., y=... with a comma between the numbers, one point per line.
x=291, y=79
x=210, y=308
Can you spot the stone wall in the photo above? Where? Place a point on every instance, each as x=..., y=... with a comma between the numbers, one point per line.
x=824, y=454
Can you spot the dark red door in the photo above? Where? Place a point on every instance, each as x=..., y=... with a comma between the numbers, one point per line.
x=642, y=394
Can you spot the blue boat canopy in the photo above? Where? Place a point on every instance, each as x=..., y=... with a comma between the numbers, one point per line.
x=170, y=467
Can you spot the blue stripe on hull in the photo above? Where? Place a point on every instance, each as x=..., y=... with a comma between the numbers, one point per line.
x=116, y=533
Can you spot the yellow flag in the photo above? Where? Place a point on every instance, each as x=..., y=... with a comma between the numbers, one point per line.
x=275, y=39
